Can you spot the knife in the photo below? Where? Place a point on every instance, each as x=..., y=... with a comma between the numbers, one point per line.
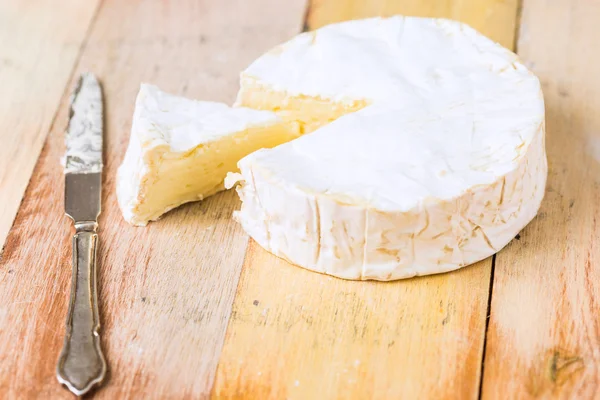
x=81, y=364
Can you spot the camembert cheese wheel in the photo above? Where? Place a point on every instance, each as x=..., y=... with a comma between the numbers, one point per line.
x=425, y=152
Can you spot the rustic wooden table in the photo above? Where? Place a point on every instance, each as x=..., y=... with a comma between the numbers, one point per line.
x=182, y=320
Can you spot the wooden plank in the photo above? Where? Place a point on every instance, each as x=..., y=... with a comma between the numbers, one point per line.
x=496, y=18
x=296, y=334
x=166, y=290
x=544, y=332
x=39, y=44
x=299, y=335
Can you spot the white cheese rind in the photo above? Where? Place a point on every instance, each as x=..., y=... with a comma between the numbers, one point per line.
x=351, y=241
x=442, y=170
x=385, y=59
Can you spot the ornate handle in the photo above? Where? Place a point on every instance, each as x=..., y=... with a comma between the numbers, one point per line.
x=81, y=363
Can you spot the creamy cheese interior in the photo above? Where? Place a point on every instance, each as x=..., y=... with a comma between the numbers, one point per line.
x=308, y=112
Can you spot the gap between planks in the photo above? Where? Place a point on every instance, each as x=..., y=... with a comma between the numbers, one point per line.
x=487, y=325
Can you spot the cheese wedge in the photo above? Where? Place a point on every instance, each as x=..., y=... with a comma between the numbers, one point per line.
x=180, y=150
x=435, y=160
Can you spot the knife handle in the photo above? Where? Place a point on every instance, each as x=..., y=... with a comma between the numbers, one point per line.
x=81, y=363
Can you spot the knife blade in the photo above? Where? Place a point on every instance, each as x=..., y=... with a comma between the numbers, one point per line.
x=81, y=364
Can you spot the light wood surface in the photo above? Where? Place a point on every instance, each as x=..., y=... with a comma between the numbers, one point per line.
x=40, y=41
x=165, y=290
x=189, y=309
x=495, y=18
x=298, y=335
x=544, y=332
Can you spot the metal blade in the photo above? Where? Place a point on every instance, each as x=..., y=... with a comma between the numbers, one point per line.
x=84, y=134
x=83, y=160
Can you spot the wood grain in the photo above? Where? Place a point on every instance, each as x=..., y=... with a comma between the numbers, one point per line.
x=40, y=41
x=165, y=290
x=544, y=332
x=298, y=335
x=495, y=18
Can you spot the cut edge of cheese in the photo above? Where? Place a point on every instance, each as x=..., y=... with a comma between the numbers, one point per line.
x=308, y=112
x=180, y=150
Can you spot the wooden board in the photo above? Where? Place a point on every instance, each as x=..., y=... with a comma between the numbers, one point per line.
x=166, y=290
x=544, y=332
x=40, y=41
x=299, y=335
